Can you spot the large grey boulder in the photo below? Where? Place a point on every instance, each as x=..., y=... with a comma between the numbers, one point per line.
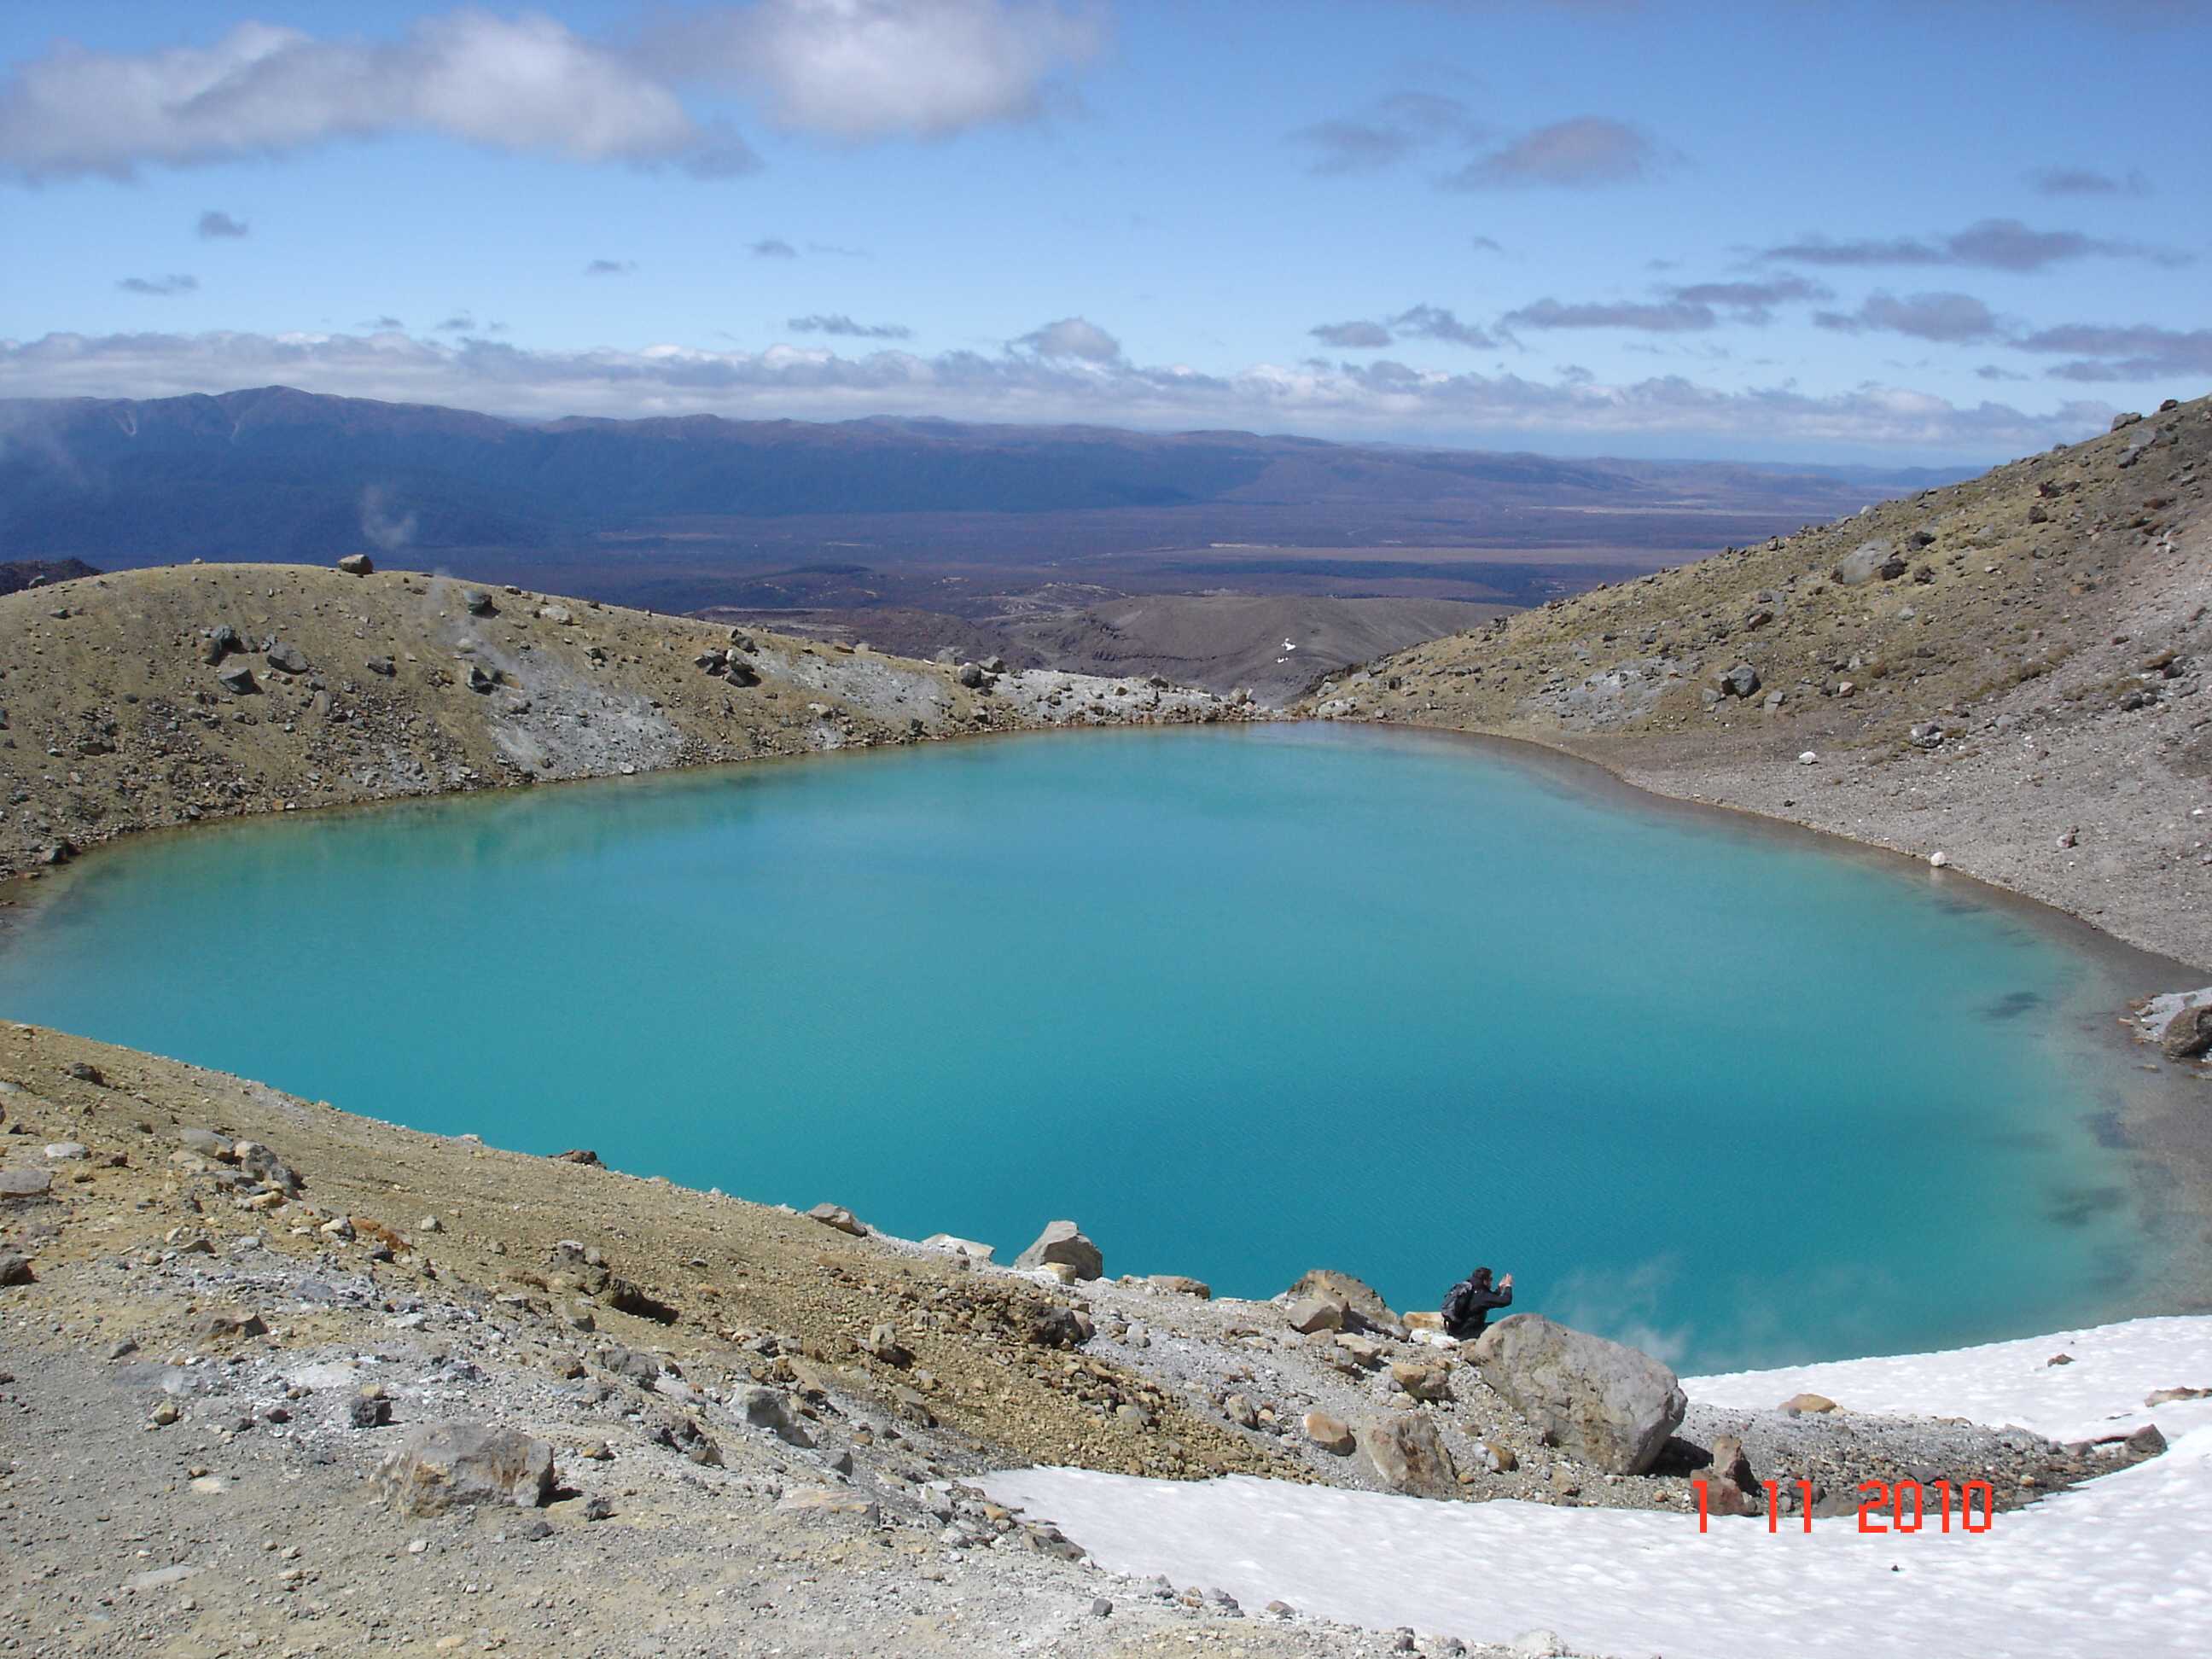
x=1063, y=1243
x=1605, y=1405
x=441, y=1466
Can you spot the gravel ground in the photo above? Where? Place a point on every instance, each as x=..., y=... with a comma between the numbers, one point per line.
x=234, y=1305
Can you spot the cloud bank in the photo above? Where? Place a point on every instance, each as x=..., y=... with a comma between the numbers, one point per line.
x=848, y=69
x=1059, y=373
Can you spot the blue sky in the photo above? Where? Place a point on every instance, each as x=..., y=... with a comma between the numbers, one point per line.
x=1941, y=232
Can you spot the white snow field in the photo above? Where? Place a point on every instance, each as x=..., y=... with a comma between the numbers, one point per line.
x=2120, y=1566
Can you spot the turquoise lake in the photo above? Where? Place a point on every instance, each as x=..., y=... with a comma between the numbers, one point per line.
x=1242, y=1002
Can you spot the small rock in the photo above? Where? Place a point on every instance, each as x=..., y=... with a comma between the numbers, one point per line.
x=828, y=1503
x=16, y=1268
x=357, y=564
x=2188, y=1034
x=67, y=1151
x=1331, y=1434
x=1177, y=1284
x=1422, y=1381
x=967, y=1247
x=1406, y=1454
x=1815, y=1405
x=1310, y=1314
x=837, y=1216
x=1939, y=861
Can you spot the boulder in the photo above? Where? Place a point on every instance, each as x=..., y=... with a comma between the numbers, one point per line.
x=1063, y=1243
x=289, y=658
x=970, y=675
x=1331, y=1434
x=239, y=679
x=767, y=1408
x=1868, y=561
x=2127, y=419
x=1740, y=681
x=1405, y=1452
x=1605, y=1404
x=441, y=1466
x=16, y=1268
x=1817, y=1405
x=357, y=564
x=25, y=1183
x=1357, y=1295
x=2189, y=1033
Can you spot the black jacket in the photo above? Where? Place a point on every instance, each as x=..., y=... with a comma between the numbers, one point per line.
x=1467, y=1309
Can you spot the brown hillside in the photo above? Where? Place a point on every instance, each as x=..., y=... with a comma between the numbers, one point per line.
x=2005, y=670
x=112, y=718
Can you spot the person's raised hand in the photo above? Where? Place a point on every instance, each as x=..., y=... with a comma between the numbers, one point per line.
x=1505, y=1281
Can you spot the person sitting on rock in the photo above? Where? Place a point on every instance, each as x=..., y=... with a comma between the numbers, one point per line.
x=1467, y=1303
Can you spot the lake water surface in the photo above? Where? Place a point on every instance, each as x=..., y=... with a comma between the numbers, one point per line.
x=1243, y=1002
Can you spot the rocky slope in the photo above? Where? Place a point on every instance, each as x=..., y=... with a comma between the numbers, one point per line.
x=156, y=697
x=2005, y=672
x=229, y=1318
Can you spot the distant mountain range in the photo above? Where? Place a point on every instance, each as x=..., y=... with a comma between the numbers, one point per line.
x=665, y=509
x=20, y=573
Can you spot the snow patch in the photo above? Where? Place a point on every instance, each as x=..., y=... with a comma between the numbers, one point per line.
x=2115, y=1567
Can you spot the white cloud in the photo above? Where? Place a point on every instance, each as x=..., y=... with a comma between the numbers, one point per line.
x=874, y=69
x=1073, y=336
x=522, y=84
x=1384, y=399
